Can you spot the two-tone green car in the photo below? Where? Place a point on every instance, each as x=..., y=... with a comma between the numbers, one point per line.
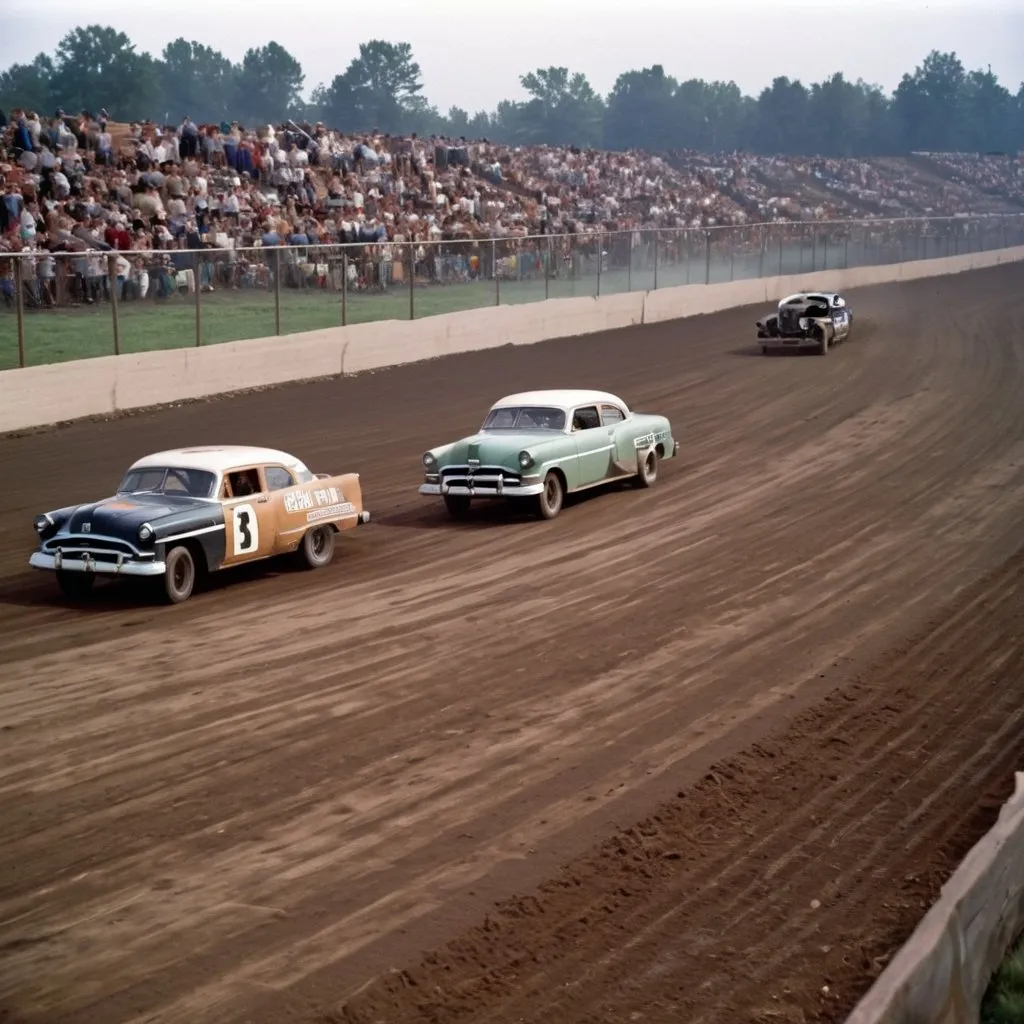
x=541, y=445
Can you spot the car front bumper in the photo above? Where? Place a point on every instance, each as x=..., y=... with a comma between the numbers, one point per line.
x=797, y=342
x=119, y=566
x=490, y=487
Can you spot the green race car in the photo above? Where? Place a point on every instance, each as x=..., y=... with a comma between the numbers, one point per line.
x=541, y=445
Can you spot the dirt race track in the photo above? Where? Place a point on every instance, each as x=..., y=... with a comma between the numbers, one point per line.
x=702, y=753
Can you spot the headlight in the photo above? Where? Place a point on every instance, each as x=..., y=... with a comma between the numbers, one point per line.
x=525, y=460
x=41, y=523
x=429, y=460
x=145, y=531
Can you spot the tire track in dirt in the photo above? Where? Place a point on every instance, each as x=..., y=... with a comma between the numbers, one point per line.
x=293, y=782
x=722, y=879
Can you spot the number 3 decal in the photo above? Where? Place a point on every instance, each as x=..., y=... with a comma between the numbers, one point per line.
x=247, y=529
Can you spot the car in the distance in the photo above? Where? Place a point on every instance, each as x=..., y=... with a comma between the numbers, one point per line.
x=814, y=320
x=539, y=446
x=182, y=512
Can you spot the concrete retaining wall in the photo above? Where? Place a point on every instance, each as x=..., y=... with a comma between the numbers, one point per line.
x=941, y=973
x=40, y=395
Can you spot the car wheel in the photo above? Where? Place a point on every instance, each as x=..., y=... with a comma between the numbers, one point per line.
x=179, y=575
x=823, y=344
x=648, y=470
x=457, y=505
x=75, y=585
x=316, y=548
x=549, y=501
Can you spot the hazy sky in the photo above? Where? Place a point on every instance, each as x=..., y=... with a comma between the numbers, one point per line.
x=473, y=58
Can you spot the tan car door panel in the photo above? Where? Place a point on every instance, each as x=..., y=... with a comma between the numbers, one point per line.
x=336, y=499
x=251, y=530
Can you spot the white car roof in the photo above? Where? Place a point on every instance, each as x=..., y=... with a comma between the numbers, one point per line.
x=562, y=399
x=216, y=458
x=803, y=296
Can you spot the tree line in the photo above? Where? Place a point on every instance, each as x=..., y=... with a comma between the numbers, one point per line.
x=939, y=106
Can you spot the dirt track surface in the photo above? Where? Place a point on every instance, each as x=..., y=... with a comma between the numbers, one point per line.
x=269, y=803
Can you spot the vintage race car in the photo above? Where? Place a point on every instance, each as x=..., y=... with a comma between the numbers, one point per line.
x=191, y=510
x=542, y=445
x=814, y=320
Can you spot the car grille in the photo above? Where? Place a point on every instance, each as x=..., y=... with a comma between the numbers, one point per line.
x=789, y=319
x=482, y=476
x=101, y=548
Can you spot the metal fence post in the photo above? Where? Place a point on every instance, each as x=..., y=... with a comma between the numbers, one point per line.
x=547, y=264
x=197, y=274
x=655, y=261
x=782, y=235
x=600, y=260
x=846, y=250
x=629, y=261
x=412, y=280
x=277, y=291
x=707, y=257
x=494, y=270
x=112, y=285
x=814, y=248
x=761, y=254
x=824, y=242
x=732, y=256
x=19, y=306
x=344, y=287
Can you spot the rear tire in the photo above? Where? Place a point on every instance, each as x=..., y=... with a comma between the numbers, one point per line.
x=648, y=470
x=549, y=501
x=458, y=505
x=316, y=549
x=823, y=344
x=75, y=585
x=179, y=575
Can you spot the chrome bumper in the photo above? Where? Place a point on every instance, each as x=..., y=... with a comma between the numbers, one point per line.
x=497, y=490
x=121, y=567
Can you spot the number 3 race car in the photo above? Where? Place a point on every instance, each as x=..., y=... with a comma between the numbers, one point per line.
x=189, y=510
x=806, y=320
x=542, y=445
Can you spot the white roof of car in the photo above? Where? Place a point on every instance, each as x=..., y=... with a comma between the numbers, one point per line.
x=561, y=399
x=803, y=296
x=216, y=458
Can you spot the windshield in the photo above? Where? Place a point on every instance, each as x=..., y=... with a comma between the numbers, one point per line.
x=196, y=483
x=525, y=417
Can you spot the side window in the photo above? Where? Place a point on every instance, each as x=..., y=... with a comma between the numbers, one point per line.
x=244, y=482
x=586, y=418
x=610, y=415
x=278, y=478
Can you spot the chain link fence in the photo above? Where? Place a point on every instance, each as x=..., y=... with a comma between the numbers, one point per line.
x=72, y=305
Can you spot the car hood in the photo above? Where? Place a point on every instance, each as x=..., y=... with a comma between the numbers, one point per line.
x=495, y=447
x=127, y=512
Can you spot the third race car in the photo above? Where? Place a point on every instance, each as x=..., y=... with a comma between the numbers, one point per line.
x=814, y=320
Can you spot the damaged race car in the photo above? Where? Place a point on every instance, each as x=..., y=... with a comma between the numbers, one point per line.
x=814, y=320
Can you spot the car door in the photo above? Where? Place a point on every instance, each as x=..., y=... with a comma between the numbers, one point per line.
x=623, y=453
x=840, y=317
x=248, y=516
x=594, y=447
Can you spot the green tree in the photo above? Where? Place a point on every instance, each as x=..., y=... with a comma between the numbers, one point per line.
x=781, y=122
x=383, y=85
x=27, y=86
x=639, y=111
x=196, y=80
x=268, y=86
x=98, y=67
x=930, y=104
x=561, y=108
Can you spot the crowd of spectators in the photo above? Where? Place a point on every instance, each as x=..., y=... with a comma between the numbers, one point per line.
x=149, y=195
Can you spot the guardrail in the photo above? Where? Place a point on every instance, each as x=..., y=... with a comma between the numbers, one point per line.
x=941, y=972
x=94, y=302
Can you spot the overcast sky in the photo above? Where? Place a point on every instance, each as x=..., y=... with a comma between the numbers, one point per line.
x=473, y=58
